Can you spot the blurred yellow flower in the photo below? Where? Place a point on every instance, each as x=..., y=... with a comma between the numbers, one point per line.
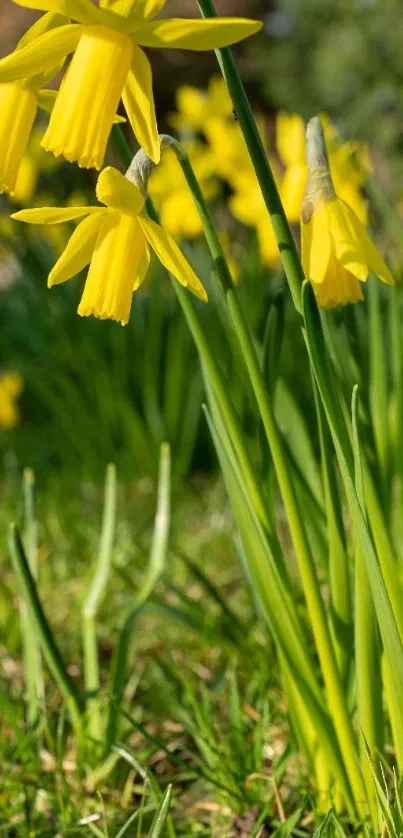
x=349, y=165
x=229, y=149
x=337, y=252
x=108, y=65
x=247, y=205
x=168, y=188
x=290, y=136
x=11, y=385
x=195, y=107
x=114, y=240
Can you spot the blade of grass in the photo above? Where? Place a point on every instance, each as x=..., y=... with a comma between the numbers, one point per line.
x=91, y=604
x=51, y=651
x=157, y=558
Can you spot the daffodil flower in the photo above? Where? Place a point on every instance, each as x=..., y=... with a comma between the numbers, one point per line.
x=108, y=64
x=11, y=385
x=337, y=252
x=114, y=240
x=19, y=103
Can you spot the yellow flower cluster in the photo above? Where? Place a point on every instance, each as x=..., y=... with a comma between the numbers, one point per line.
x=108, y=66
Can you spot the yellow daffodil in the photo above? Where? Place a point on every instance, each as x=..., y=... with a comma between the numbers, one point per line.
x=290, y=131
x=109, y=65
x=195, y=107
x=11, y=385
x=114, y=240
x=19, y=103
x=337, y=252
x=171, y=194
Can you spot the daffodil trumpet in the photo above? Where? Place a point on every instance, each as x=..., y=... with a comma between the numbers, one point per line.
x=115, y=241
x=337, y=252
x=109, y=65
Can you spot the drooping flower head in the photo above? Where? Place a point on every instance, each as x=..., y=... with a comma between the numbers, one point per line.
x=109, y=65
x=115, y=241
x=19, y=103
x=337, y=252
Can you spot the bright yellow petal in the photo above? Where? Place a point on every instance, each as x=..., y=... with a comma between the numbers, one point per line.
x=176, y=33
x=315, y=246
x=373, y=258
x=347, y=242
x=81, y=10
x=18, y=107
x=339, y=287
x=115, y=263
x=79, y=250
x=138, y=100
x=45, y=23
x=89, y=96
x=40, y=55
x=135, y=9
x=116, y=191
x=171, y=256
x=143, y=267
x=53, y=215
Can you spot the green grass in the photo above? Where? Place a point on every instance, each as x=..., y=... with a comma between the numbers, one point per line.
x=200, y=683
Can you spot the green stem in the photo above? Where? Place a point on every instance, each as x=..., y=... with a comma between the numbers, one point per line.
x=50, y=649
x=90, y=608
x=281, y=228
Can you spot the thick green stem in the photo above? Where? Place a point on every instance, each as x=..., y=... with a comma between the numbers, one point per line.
x=281, y=228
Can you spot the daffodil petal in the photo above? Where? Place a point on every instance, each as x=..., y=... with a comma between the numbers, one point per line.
x=171, y=256
x=373, y=258
x=77, y=254
x=177, y=33
x=53, y=215
x=40, y=55
x=347, y=240
x=116, y=191
x=47, y=98
x=81, y=10
x=315, y=246
x=138, y=100
x=45, y=23
x=143, y=267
